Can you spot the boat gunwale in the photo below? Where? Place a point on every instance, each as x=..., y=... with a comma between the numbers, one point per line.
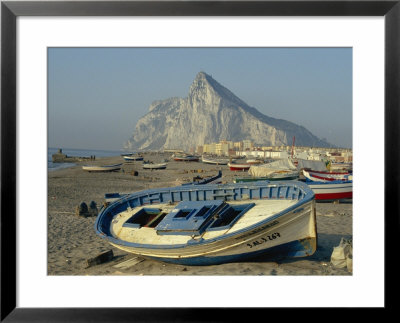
x=308, y=197
x=325, y=184
x=327, y=172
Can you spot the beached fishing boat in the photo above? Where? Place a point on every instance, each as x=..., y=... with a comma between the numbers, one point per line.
x=133, y=158
x=154, y=166
x=214, y=161
x=238, y=167
x=213, y=224
x=334, y=190
x=205, y=180
x=321, y=176
x=102, y=168
x=188, y=158
x=276, y=176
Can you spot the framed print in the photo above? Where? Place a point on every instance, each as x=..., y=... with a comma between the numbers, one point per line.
x=40, y=39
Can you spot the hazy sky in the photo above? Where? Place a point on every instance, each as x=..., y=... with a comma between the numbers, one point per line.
x=96, y=95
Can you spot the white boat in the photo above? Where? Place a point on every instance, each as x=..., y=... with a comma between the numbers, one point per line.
x=213, y=224
x=102, y=168
x=214, y=161
x=321, y=176
x=333, y=190
x=154, y=166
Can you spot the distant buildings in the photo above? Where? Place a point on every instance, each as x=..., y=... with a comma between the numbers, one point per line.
x=246, y=148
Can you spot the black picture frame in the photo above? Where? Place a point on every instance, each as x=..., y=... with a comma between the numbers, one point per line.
x=10, y=10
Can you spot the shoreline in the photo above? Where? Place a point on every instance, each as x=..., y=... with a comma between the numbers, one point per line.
x=72, y=239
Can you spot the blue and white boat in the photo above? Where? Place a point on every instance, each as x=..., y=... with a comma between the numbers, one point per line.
x=213, y=223
x=133, y=158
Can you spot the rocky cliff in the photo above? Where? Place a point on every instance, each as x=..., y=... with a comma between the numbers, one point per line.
x=211, y=113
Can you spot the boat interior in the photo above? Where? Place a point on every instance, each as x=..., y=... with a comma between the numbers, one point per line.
x=176, y=223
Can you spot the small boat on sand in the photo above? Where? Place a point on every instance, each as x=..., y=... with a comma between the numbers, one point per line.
x=154, y=166
x=187, y=158
x=213, y=224
x=133, y=158
x=102, y=168
x=321, y=176
x=205, y=180
x=333, y=190
x=214, y=161
x=239, y=167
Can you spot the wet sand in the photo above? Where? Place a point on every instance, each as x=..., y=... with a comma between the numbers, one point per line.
x=72, y=239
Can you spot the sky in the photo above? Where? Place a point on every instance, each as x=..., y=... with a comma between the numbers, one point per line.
x=97, y=95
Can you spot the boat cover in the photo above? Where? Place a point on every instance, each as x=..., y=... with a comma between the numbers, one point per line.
x=285, y=165
x=270, y=168
x=311, y=164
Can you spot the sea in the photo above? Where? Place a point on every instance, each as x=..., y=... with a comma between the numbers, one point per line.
x=76, y=153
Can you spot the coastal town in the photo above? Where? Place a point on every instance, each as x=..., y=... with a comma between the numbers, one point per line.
x=247, y=149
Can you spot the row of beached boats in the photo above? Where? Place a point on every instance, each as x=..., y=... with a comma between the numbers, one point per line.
x=128, y=157
x=327, y=185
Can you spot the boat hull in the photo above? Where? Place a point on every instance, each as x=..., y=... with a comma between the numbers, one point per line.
x=239, y=167
x=206, y=180
x=337, y=190
x=215, y=161
x=291, y=232
x=104, y=168
x=277, y=240
x=316, y=176
x=154, y=166
x=133, y=158
x=186, y=159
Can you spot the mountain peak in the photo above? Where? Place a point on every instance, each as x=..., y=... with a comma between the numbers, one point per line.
x=201, y=75
x=200, y=81
x=210, y=113
x=205, y=86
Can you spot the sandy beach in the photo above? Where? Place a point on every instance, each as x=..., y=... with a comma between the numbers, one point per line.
x=72, y=239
